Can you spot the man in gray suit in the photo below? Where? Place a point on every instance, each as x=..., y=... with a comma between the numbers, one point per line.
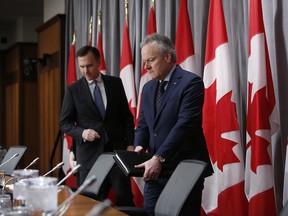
x=98, y=128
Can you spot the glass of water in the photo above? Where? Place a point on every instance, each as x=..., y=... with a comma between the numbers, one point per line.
x=5, y=201
x=20, y=185
x=19, y=192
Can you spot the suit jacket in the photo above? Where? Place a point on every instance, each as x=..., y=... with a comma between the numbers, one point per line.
x=79, y=112
x=175, y=131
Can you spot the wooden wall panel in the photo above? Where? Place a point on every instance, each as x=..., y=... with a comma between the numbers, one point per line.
x=51, y=43
x=21, y=100
x=2, y=101
x=12, y=69
x=12, y=115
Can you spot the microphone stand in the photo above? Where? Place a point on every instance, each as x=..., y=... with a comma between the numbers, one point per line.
x=13, y=156
x=99, y=208
x=66, y=203
x=74, y=170
x=33, y=162
x=3, y=191
x=56, y=167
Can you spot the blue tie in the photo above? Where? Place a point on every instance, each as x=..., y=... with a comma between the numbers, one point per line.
x=98, y=100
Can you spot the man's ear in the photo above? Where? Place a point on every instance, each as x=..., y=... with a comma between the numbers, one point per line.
x=168, y=57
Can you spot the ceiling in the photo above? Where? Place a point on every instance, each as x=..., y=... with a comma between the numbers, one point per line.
x=11, y=10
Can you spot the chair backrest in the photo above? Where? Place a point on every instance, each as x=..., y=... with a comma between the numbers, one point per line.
x=101, y=168
x=178, y=187
x=12, y=163
x=284, y=211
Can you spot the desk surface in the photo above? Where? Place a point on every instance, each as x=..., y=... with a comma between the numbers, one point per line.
x=81, y=205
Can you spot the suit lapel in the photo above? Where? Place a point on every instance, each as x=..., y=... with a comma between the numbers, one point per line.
x=152, y=99
x=108, y=90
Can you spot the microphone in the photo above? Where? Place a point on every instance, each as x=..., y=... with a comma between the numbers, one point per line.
x=63, y=207
x=99, y=208
x=13, y=156
x=33, y=162
x=74, y=170
x=56, y=167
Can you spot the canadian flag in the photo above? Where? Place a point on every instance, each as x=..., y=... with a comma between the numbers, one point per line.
x=127, y=76
x=67, y=141
x=184, y=42
x=223, y=192
x=138, y=183
x=102, y=67
x=127, y=72
x=145, y=77
x=261, y=121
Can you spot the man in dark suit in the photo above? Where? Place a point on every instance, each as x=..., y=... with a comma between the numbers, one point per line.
x=98, y=128
x=170, y=127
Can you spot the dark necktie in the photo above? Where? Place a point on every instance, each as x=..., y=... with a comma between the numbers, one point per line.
x=159, y=94
x=98, y=100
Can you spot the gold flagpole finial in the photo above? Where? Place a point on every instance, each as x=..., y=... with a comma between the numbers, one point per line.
x=74, y=37
x=153, y=3
x=90, y=25
x=99, y=20
x=126, y=9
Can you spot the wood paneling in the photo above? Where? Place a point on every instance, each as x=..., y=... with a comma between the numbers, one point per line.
x=21, y=100
x=50, y=78
x=2, y=100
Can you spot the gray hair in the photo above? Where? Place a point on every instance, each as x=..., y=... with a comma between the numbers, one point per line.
x=162, y=42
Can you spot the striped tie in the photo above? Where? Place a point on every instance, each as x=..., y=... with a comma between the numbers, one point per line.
x=160, y=92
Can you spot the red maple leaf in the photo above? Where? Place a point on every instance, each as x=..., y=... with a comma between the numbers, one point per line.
x=258, y=119
x=220, y=118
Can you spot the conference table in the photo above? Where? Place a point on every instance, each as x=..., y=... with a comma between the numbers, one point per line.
x=81, y=205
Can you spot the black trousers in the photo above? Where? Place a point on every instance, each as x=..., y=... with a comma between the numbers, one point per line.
x=121, y=185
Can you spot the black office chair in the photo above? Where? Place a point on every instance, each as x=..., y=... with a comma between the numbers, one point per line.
x=176, y=191
x=101, y=168
x=9, y=162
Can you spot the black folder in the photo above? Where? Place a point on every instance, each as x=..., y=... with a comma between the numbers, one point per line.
x=126, y=160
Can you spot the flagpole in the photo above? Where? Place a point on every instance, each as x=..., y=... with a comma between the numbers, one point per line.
x=100, y=21
x=126, y=12
x=74, y=37
x=90, y=31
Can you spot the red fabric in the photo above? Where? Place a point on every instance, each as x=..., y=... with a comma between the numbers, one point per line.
x=102, y=67
x=261, y=122
x=145, y=77
x=71, y=77
x=184, y=42
x=223, y=193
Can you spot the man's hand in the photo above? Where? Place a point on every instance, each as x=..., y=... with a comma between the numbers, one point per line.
x=72, y=160
x=152, y=168
x=130, y=148
x=139, y=149
x=90, y=135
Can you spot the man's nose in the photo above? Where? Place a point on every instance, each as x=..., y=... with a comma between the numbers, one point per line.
x=85, y=69
x=146, y=65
